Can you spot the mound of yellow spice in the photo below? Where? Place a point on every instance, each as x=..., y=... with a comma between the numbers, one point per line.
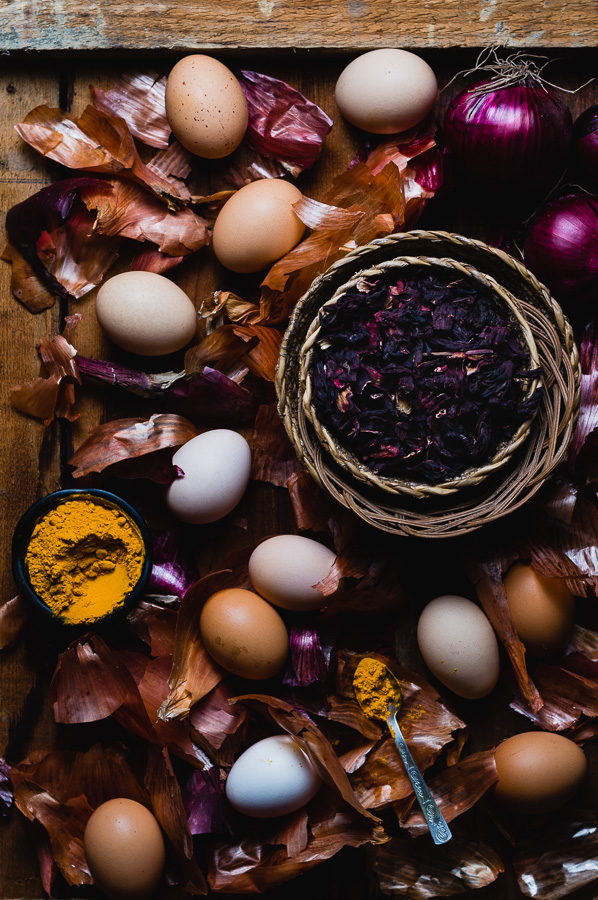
x=84, y=558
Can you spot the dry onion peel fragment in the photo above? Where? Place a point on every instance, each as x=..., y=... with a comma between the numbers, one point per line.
x=203, y=397
x=264, y=862
x=96, y=142
x=455, y=790
x=486, y=575
x=131, y=211
x=283, y=123
x=124, y=439
x=386, y=190
x=139, y=99
x=407, y=868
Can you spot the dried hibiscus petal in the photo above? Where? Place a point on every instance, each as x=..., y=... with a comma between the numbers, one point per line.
x=421, y=378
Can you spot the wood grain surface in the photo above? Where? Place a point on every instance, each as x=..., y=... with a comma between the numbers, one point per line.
x=184, y=25
x=33, y=459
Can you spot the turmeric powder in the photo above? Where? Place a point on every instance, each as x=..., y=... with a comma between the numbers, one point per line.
x=375, y=688
x=84, y=557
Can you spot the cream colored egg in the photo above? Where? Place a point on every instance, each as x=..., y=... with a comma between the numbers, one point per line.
x=206, y=106
x=272, y=778
x=257, y=225
x=459, y=646
x=145, y=313
x=285, y=569
x=386, y=91
x=216, y=467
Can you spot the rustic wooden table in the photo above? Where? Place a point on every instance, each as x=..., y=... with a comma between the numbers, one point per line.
x=51, y=51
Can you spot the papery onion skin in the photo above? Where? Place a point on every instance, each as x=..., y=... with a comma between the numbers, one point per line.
x=561, y=246
x=585, y=139
x=519, y=134
x=283, y=123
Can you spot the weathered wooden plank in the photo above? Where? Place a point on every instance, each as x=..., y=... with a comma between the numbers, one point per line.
x=28, y=457
x=319, y=24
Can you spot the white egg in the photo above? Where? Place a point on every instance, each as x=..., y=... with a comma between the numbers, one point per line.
x=285, y=568
x=272, y=778
x=145, y=313
x=216, y=466
x=459, y=646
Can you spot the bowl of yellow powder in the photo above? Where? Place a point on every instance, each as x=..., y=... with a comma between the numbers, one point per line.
x=81, y=556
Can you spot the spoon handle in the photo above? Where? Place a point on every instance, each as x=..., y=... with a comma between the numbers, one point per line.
x=439, y=830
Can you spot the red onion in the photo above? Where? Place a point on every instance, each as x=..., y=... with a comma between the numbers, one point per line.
x=585, y=138
x=561, y=246
x=512, y=128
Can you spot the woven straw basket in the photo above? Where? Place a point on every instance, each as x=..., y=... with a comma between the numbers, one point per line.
x=528, y=460
x=347, y=460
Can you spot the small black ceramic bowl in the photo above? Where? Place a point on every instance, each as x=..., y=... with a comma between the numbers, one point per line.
x=22, y=537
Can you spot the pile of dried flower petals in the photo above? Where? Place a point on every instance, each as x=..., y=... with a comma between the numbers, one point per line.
x=172, y=721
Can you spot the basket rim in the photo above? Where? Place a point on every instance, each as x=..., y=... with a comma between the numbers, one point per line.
x=474, y=474
x=552, y=430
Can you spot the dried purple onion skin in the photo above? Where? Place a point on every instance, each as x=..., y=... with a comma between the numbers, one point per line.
x=6, y=794
x=422, y=379
x=45, y=211
x=171, y=573
x=205, y=805
x=283, y=124
x=307, y=663
x=206, y=396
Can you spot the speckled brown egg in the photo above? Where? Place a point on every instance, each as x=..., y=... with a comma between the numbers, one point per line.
x=206, y=106
x=257, y=225
x=124, y=849
x=538, y=771
x=542, y=609
x=244, y=634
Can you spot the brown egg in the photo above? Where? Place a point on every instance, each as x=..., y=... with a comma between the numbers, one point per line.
x=206, y=106
x=257, y=225
x=538, y=771
x=124, y=849
x=542, y=609
x=244, y=633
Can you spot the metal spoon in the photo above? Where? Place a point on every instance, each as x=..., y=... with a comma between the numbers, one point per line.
x=384, y=684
